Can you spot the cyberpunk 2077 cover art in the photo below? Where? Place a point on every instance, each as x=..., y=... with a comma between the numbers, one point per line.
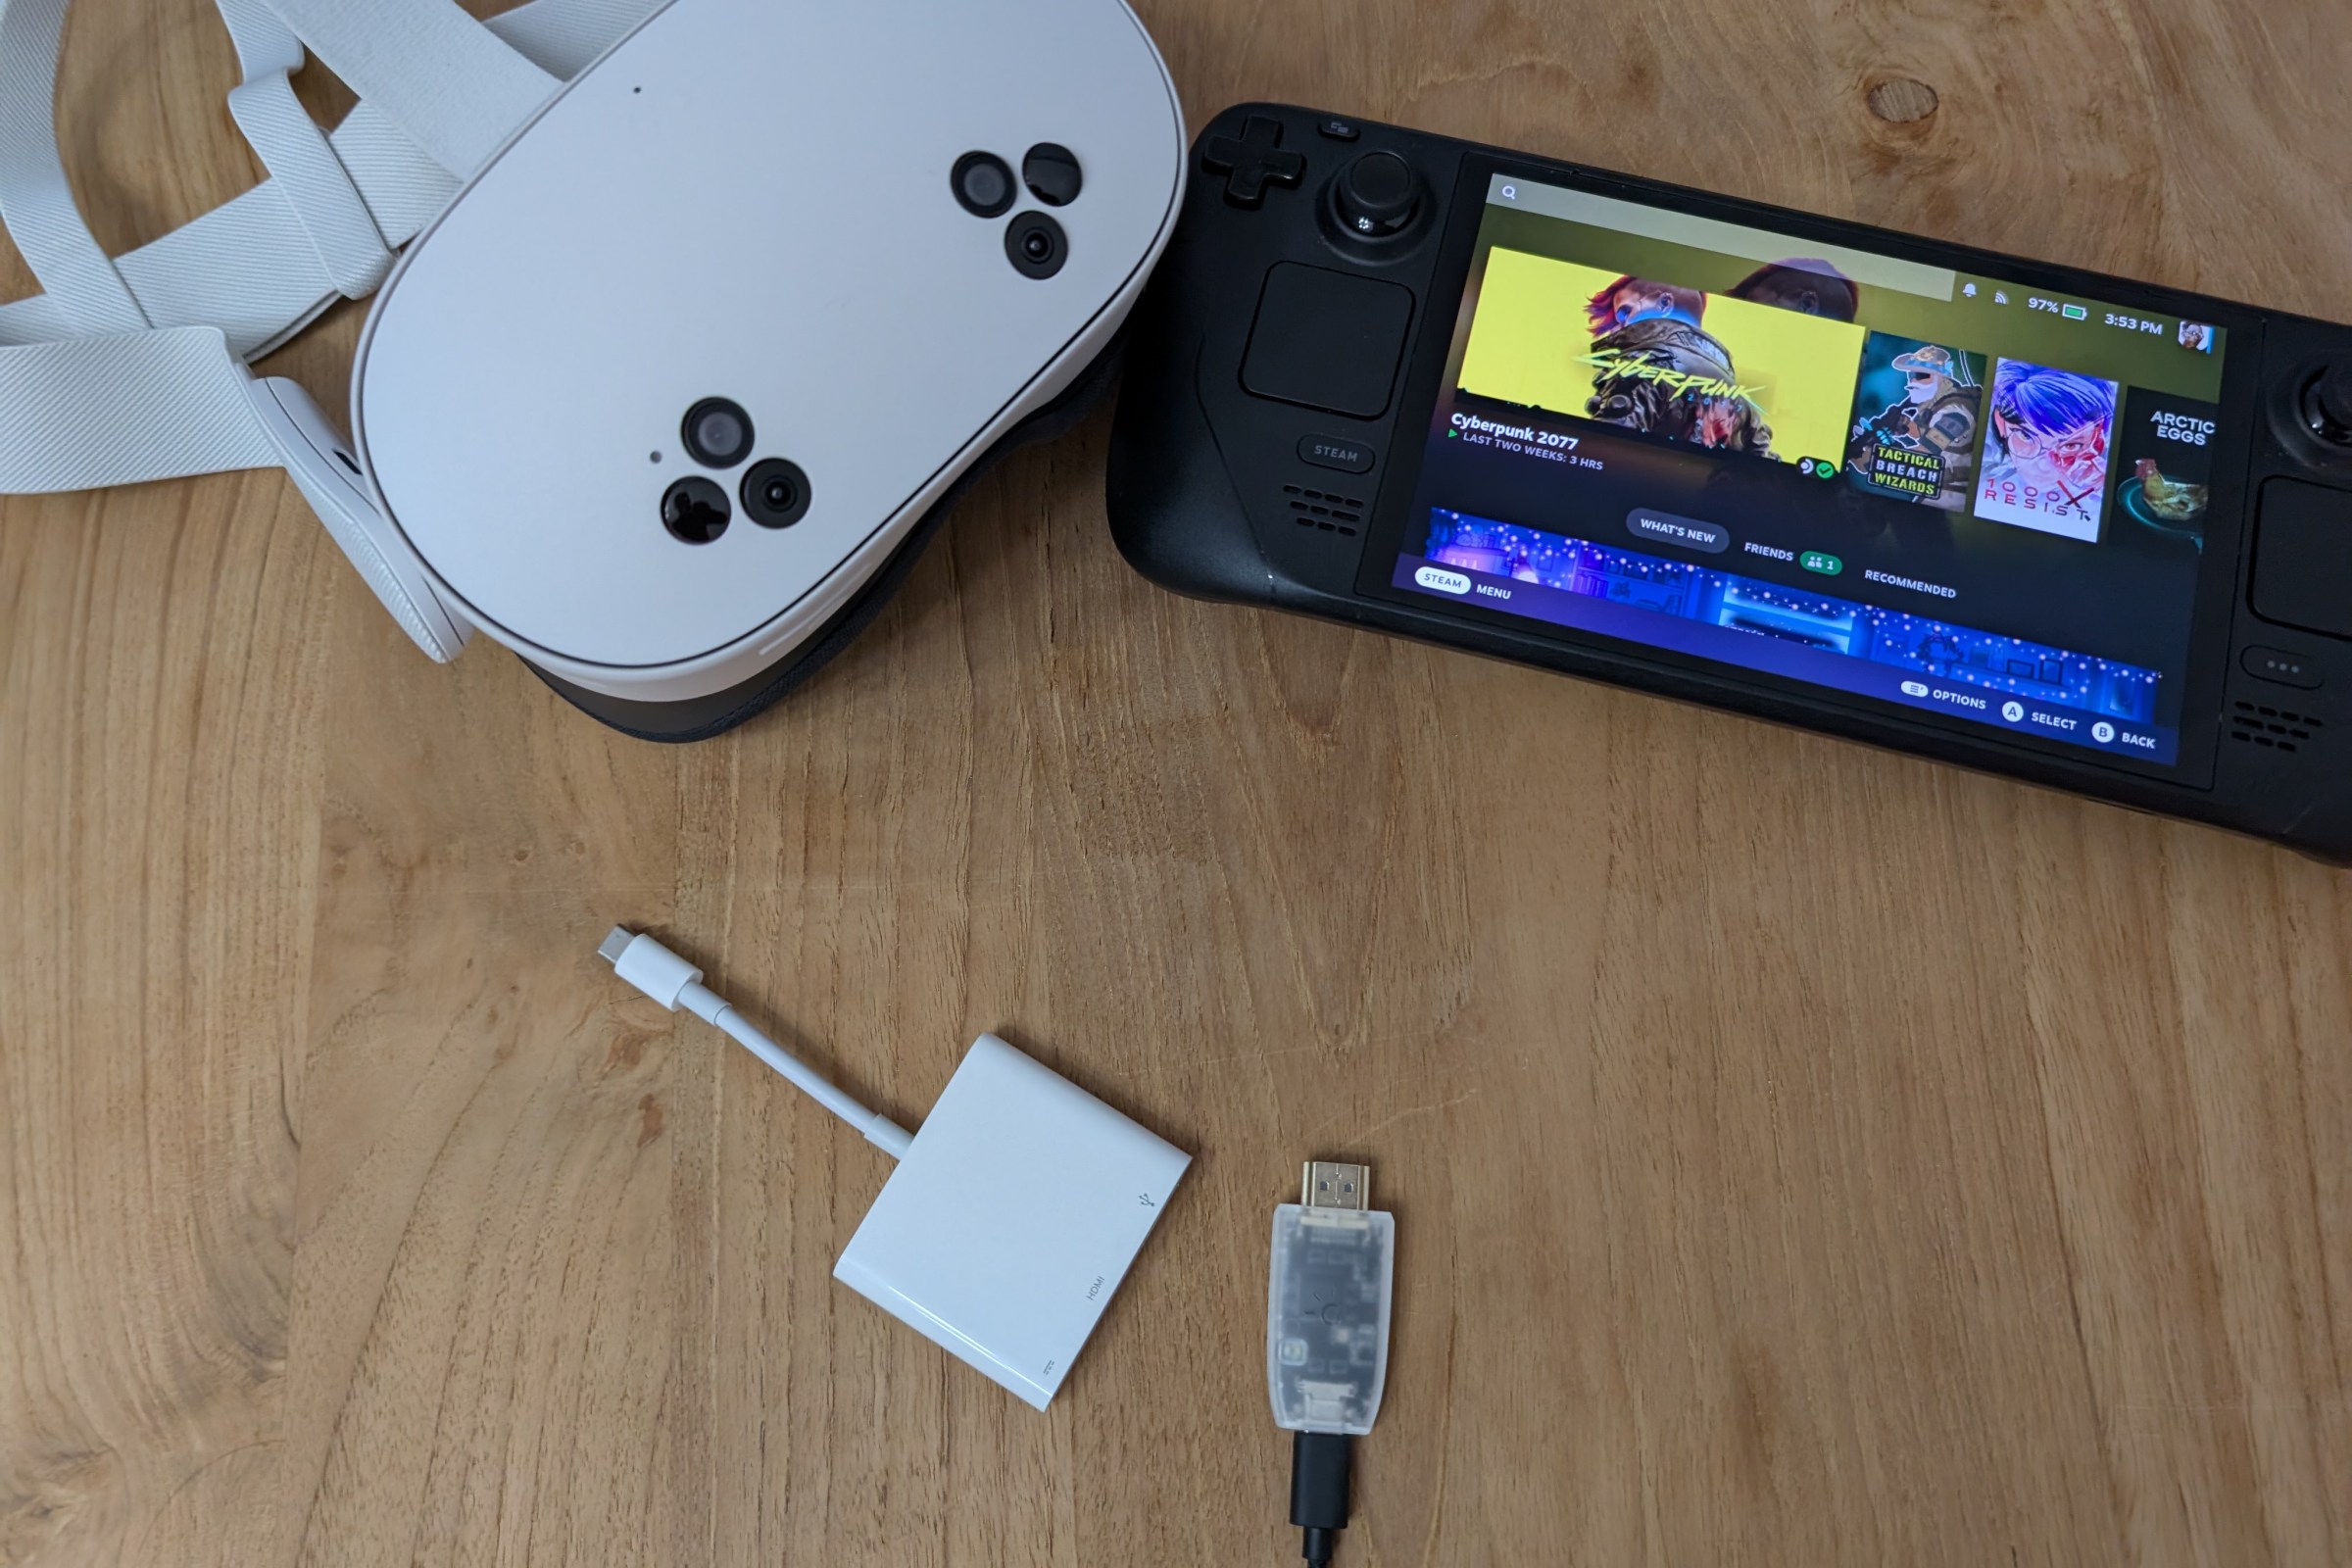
x=1728, y=371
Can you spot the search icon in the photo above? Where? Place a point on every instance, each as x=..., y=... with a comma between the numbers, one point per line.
x=1510, y=193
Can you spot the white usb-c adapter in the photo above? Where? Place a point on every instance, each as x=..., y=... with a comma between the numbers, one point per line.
x=1016, y=1207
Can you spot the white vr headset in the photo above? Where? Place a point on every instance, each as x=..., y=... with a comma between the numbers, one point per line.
x=717, y=306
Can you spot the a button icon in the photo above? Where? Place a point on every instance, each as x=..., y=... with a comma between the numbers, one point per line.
x=2103, y=732
x=1820, y=561
x=1510, y=193
x=1438, y=580
x=1914, y=688
x=2014, y=713
x=1969, y=290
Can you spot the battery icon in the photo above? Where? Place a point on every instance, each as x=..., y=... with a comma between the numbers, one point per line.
x=2076, y=312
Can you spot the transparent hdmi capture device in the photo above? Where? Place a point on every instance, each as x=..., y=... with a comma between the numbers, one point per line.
x=1327, y=1312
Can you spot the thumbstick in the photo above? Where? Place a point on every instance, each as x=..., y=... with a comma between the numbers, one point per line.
x=1377, y=194
x=2327, y=406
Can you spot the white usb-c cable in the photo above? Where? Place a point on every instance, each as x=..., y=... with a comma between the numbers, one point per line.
x=674, y=983
x=1003, y=1230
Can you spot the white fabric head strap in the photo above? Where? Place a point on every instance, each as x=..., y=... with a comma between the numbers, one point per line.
x=256, y=267
x=334, y=219
x=115, y=403
x=88, y=398
x=85, y=290
x=124, y=409
x=456, y=88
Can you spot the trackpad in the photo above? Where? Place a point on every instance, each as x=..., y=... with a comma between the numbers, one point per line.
x=2303, y=557
x=1326, y=340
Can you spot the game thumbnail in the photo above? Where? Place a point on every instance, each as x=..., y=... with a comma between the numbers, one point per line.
x=1916, y=410
x=2164, y=454
x=2046, y=450
x=1709, y=370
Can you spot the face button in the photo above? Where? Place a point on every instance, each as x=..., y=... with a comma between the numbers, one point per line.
x=1050, y=172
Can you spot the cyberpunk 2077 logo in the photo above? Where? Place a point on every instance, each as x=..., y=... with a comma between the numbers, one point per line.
x=1615, y=363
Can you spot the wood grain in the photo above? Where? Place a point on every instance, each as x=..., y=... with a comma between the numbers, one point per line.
x=1803, y=1156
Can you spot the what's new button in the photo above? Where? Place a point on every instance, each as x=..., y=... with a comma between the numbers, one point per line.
x=1335, y=452
x=1664, y=527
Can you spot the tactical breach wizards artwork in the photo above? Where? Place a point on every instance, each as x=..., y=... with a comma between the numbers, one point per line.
x=1916, y=416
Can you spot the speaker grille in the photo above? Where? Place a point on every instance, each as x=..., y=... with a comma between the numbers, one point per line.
x=1320, y=509
x=2278, y=729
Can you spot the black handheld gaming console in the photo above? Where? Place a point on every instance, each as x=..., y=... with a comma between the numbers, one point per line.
x=2076, y=530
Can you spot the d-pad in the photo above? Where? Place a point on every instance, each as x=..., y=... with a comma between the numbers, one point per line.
x=1251, y=162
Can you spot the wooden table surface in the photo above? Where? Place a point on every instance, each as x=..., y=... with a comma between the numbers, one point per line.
x=1802, y=1156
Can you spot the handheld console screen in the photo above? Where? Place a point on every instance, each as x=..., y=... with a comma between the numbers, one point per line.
x=1872, y=476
